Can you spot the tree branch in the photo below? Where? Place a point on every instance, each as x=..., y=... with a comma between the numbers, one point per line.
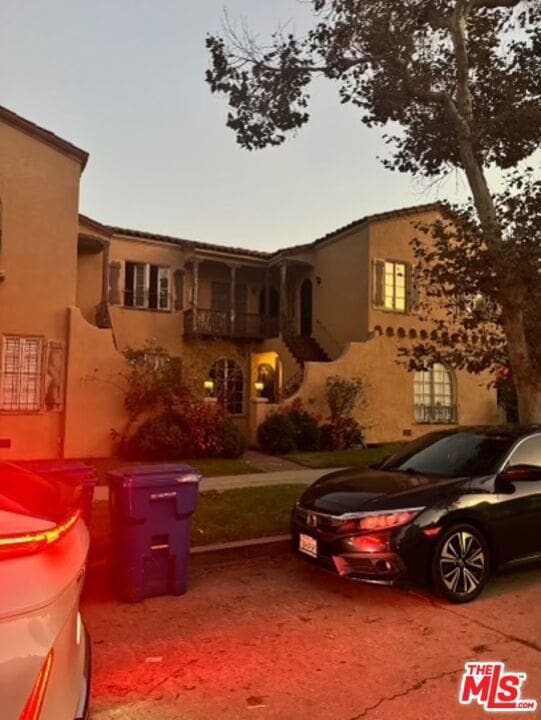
x=490, y=4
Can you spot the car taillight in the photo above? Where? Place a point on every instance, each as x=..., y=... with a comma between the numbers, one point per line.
x=33, y=706
x=18, y=544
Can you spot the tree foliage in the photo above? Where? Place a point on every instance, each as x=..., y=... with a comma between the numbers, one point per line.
x=461, y=296
x=457, y=84
x=396, y=60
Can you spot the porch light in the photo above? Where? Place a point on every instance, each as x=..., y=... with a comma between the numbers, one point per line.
x=259, y=387
x=209, y=387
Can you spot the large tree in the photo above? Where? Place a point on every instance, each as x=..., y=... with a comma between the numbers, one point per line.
x=460, y=291
x=460, y=80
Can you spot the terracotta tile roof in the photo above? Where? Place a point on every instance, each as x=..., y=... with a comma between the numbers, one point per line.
x=44, y=135
x=366, y=220
x=262, y=254
x=183, y=242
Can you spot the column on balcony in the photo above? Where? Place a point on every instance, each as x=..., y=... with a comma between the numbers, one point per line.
x=266, y=320
x=195, y=292
x=232, y=296
x=283, y=297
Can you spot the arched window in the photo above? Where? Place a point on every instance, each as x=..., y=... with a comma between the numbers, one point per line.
x=228, y=385
x=435, y=395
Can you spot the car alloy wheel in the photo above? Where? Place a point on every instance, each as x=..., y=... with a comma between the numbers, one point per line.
x=460, y=565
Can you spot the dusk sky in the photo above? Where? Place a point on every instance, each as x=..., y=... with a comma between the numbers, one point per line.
x=125, y=81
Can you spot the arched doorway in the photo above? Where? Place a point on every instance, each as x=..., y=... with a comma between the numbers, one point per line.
x=306, y=308
x=266, y=374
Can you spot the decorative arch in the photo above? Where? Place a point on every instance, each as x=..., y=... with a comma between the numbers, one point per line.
x=228, y=381
x=435, y=395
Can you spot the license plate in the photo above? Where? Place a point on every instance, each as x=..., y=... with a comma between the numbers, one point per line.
x=308, y=545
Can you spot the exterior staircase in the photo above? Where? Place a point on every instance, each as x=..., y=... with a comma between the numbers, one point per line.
x=305, y=349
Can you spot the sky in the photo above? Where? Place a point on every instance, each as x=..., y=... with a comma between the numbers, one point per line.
x=124, y=80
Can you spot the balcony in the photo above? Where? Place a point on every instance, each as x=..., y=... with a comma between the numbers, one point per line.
x=203, y=322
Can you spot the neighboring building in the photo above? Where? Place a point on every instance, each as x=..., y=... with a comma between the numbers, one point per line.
x=75, y=292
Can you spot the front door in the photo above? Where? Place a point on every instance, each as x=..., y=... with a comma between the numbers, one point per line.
x=306, y=308
x=220, y=303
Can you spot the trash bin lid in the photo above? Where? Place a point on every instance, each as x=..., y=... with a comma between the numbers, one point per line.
x=162, y=475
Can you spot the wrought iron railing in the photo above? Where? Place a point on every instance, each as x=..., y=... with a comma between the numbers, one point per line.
x=292, y=384
x=436, y=414
x=218, y=323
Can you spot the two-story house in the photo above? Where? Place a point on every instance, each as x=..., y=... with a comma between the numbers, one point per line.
x=75, y=292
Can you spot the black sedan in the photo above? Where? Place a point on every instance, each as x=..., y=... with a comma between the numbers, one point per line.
x=450, y=507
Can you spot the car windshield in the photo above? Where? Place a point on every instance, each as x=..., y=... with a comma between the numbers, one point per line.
x=26, y=493
x=459, y=454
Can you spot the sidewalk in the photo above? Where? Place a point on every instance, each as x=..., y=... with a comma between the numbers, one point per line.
x=227, y=482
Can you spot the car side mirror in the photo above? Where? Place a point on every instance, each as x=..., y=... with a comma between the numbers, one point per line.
x=518, y=473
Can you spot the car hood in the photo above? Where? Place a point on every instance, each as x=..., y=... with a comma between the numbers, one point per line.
x=356, y=490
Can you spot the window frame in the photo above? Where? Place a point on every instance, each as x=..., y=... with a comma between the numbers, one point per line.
x=429, y=411
x=221, y=382
x=395, y=264
x=140, y=299
x=39, y=375
x=379, y=285
x=506, y=462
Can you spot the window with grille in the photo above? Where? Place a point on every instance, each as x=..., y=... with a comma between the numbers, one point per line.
x=435, y=400
x=22, y=374
x=228, y=385
x=147, y=286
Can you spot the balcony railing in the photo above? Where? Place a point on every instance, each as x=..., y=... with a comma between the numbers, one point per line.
x=217, y=323
x=436, y=414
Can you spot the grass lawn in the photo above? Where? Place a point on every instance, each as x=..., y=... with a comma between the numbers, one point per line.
x=237, y=514
x=208, y=467
x=361, y=457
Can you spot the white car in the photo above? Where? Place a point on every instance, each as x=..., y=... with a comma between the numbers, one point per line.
x=44, y=646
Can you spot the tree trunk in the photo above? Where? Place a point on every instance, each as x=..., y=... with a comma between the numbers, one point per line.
x=513, y=299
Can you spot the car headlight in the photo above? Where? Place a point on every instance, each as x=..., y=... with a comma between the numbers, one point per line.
x=388, y=520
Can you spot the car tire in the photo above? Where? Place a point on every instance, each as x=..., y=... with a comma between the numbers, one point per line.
x=461, y=563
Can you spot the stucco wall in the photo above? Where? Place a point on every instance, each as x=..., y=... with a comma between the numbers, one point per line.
x=388, y=414
x=89, y=283
x=39, y=191
x=340, y=300
x=94, y=390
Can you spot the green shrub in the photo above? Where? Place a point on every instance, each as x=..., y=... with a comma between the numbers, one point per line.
x=307, y=429
x=277, y=434
x=159, y=438
x=343, y=394
x=234, y=442
x=341, y=434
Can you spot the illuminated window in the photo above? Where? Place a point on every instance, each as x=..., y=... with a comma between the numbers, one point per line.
x=434, y=391
x=22, y=374
x=394, y=286
x=228, y=385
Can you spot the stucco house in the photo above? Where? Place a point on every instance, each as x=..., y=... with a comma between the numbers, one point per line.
x=75, y=292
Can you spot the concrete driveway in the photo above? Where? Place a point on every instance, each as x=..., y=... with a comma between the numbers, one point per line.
x=272, y=638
